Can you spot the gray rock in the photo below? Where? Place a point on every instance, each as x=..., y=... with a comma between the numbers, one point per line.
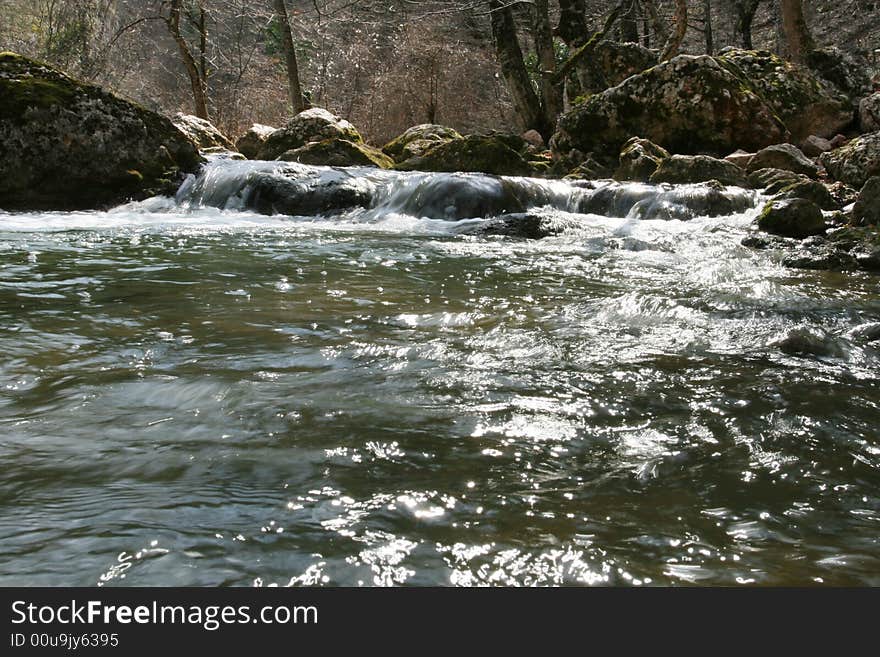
x=67, y=145
x=418, y=140
x=740, y=158
x=526, y=225
x=251, y=142
x=866, y=210
x=869, y=113
x=814, y=146
x=797, y=218
x=313, y=124
x=698, y=168
x=639, y=159
x=203, y=133
x=811, y=190
x=855, y=162
x=785, y=157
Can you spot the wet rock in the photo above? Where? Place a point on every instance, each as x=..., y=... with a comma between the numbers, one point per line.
x=842, y=194
x=687, y=105
x=785, y=157
x=251, y=142
x=67, y=145
x=313, y=124
x=869, y=113
x=822, y=258
x=526, y=225
x=202, y=133
x=814, y=146
x=866, y=210
x=589, y=169
x=220, y=153
x=868, y=332
x=639, y=159
x=338, y=153
x=491, y=154
x=418, y=140
x=305, y=196
x=797, y=218
x=810, y=190
x=804, y=341
x=698, y=168
x=806, y=104
x=460, y=196
x=773, y=181
x=665, y=202
x=855, y=162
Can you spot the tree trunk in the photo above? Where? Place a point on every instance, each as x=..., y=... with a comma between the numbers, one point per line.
x=551, y=92
x=707, y=26
x=513, y=69
x=673, y=44
x=294, y=87
x=797, y=37
x=745, y=14
x=661, y=31
x=198, y=82
x=629, y=27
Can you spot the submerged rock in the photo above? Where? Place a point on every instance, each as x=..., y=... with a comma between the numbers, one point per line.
x=785, y=157
x=418, y=140
x=665, y=202
x=698, y=168
x=313, y=124
x=493, y=154
x=804, y=341
x=203, y=133
x=68, y=145
x=798, y=218
x=251, y=142
x=525, y=225
x=456, y=196
x=639, y=159
x=338, y=153
x=855, y=162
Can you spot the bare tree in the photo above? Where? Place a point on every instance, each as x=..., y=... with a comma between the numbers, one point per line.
x=296, y=96
x=196, y=69
x=798, y=39
x=673, y=43
x=744, y=11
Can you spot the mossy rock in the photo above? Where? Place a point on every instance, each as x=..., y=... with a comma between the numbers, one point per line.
x=417, y=140
x=797, y=218
x=202, y=133
x=313, y=124
x=855, y=162
x=474, y=153
x=338, y=153
x=68, y=145
x=696, y=169
x=251, y=142
x=866, y=210
x=805, y=103
x=639, y=159
x=687, y=105
x=785, y=157
x=811, y=190
x=773, y=181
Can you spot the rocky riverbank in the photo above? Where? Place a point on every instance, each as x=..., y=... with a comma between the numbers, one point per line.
x=807, y=139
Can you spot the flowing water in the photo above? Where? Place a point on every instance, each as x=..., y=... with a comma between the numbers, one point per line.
x=195, y=393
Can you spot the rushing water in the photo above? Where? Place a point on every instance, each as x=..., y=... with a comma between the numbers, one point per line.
x=197, y=394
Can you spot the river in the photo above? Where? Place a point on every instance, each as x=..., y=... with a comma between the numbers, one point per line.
x=197, y=393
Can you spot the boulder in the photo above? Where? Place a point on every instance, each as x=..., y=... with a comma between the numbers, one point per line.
x=814, y=146
x=698, y=168
x=806, y=104
x=841, y=69
x=810, y=190
x=67, y=145
x=686, y=105
x=773, y=181
x=855, y=162
x=785, y=157
x=474, y=153
x=740, y=158
x=588, y=169
x=639, y=159
x=682, y=202
x=611, y=62
x=338, y=153
x=418, y=140
x=534, y=139
x=251, y=142
x=869, y=113
x=866, y=210
x=797, y=218
x=523, y=225
x=313, y=124
x=202, y=133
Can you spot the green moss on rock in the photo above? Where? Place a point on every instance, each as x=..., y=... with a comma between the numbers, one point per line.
x=474, y=153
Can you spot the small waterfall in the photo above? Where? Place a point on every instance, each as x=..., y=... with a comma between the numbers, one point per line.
x=370, y=194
